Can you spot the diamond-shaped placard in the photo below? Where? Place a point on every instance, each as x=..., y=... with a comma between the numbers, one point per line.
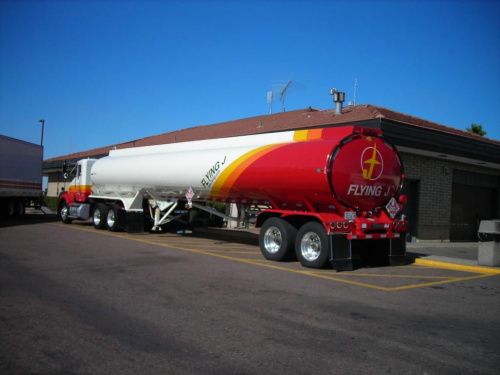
x=189, y=194
x=392, y=208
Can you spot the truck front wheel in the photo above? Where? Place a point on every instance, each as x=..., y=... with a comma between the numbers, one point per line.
x=311, y=246
x=276, y=239
x=64, y=212
x=99, y=216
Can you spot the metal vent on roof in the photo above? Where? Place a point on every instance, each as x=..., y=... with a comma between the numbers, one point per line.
x=338, y=98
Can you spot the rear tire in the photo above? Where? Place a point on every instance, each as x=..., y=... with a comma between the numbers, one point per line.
x=20, y=208
x=312, y=246
x=11, y=209
x=99, y=216
x=276, y=239
x=112, y=218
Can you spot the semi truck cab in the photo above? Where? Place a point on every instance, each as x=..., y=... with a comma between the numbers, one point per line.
x=73, y=202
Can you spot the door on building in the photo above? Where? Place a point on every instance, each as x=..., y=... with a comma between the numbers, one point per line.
x=474, y=198
x=410, y=209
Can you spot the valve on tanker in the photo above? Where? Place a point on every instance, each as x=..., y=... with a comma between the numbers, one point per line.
x=189, y=205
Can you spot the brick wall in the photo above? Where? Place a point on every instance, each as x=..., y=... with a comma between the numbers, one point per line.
x=435, y=178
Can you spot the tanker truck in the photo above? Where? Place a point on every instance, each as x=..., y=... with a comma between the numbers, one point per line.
x=327, y=193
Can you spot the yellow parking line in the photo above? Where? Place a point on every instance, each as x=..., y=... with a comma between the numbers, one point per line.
x=460, y=267
x=439, y=282
x=234, y=252
x=394, y=276
x=484, y=272
x=391, y=289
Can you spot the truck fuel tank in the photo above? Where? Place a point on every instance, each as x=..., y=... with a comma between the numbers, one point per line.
x=305, y=170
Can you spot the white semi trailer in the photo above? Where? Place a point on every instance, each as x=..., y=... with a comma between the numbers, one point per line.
x=20, y=175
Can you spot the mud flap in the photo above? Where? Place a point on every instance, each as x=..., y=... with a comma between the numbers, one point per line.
x=121, y=219
x=341, y=253
x=397, y=251
x=135, y=222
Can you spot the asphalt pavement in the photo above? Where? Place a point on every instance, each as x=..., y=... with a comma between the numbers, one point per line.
x=457, y=253
x=75, y=300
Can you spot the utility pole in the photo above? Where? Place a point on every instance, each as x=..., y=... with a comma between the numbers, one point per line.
x=43, y=126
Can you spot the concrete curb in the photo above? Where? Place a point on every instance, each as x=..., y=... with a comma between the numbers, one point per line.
x=456, y=264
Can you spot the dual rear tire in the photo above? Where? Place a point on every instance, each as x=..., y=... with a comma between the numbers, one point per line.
x=106, y=217
x=311, y=246
x=12, y=208
x=280, y=241
x=276, y=239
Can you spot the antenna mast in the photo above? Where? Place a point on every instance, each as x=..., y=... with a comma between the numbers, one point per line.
x=270, y=100
x=282, y=95
x=355, y=88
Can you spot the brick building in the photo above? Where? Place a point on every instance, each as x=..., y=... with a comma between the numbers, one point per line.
x=453, y=177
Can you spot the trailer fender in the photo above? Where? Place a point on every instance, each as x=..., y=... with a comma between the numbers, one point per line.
x=298, y=218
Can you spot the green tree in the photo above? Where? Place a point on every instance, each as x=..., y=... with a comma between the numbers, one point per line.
x=476, y=129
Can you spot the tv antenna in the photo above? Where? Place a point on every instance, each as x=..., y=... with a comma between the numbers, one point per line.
x=282, y=95
x=281, y=87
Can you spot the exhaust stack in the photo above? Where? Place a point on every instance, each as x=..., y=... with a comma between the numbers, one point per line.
x=338, y=99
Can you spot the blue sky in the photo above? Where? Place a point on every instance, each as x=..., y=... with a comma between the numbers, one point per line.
x=104, y=72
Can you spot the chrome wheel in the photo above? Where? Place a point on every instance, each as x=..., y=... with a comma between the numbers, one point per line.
x=272, y=240
x=277, y=239
x=310, y=246
x=97, y=217
x=64, y=213
x=111, y=219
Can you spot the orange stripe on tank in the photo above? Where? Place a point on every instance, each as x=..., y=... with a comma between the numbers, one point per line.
x=227, y=178
x=308, y=135
x=82, y=189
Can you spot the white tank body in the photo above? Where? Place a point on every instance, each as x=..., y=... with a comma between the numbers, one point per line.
x=171, y=169
x=165, y=172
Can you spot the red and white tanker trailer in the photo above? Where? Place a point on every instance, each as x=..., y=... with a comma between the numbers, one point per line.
x=330, y=191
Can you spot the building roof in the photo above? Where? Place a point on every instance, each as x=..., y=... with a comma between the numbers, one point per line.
x=298, y=119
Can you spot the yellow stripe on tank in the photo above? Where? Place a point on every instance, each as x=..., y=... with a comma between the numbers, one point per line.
x=307, y=135
x=82, y=189
x=227, y=178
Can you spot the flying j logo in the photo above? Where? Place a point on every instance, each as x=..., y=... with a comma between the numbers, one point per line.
x=372, y=163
